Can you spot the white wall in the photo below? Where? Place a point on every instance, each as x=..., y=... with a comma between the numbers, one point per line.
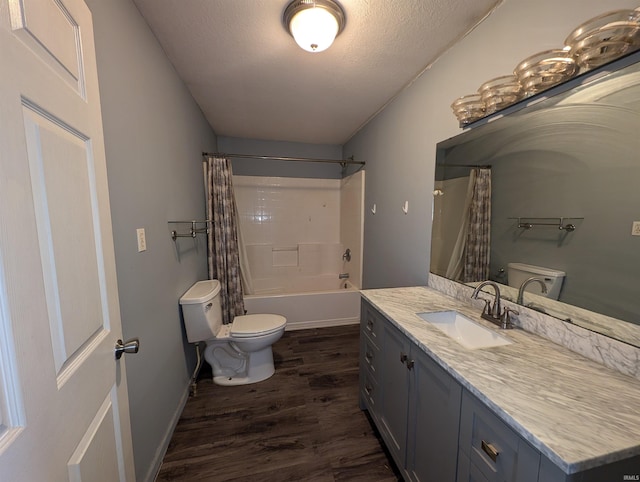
x=291, y=231
x=399, y=144
x=154, y=135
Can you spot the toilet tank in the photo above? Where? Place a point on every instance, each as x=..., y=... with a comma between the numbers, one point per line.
x=201, y=310
x=518, y=273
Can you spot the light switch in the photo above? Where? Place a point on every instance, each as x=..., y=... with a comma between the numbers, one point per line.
x=635, y=228
x=142, y=241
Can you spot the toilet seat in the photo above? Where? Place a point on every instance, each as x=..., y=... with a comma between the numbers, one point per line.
x=247, y=326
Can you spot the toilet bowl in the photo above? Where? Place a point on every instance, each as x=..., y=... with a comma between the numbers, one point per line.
x=240, y=352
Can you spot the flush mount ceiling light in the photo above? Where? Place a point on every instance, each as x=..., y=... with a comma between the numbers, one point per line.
x=314, y=24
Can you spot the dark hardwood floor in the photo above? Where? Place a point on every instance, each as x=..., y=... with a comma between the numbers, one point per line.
x=302, y=424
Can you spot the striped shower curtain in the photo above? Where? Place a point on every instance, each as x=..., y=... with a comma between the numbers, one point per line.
x=477, y=247
x=470, y=257
x=222, y=240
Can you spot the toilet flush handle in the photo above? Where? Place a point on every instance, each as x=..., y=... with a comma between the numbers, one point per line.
x=131, y=346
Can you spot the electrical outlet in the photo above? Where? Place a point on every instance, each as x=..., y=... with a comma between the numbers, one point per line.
x=635, y=229
x=142, y=240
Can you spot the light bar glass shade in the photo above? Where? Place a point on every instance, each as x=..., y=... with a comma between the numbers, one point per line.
x=314, y=29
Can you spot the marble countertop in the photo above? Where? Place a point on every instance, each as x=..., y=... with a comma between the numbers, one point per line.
x=576, y=412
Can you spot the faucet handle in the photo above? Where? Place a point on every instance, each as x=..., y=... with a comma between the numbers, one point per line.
x=487, y=306
x=506, y=317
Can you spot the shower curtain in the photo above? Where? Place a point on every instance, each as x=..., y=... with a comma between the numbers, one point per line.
x=222, y=239
x=470, y=257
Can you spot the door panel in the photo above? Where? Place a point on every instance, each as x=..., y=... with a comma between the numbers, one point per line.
x=52, y=33
x=63, y=401
x=62, y=185
x=95, y=457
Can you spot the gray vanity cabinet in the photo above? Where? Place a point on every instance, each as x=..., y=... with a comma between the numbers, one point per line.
x=437, y=431
x=414, y=403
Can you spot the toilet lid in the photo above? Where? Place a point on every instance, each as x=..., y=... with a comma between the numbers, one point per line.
x=256, y=325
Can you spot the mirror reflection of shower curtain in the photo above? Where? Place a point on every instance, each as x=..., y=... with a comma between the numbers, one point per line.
x=470, y=257
x=222, y=240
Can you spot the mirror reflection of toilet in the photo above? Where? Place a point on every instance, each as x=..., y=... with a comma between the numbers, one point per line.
x=518, y=273
x=240, y=352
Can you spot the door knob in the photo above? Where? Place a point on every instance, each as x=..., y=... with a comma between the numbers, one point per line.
x=131, y=346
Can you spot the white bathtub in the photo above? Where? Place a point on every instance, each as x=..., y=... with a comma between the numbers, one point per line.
x=310, y=309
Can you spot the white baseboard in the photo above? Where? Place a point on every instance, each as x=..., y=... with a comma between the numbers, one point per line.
x=154, y=469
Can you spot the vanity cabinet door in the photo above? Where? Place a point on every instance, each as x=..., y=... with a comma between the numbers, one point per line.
x=496, y=450
x=372, y=323
x=434, y=419
x=394, y=392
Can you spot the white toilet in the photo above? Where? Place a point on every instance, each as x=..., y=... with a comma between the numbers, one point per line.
x=518, y=273
x=240, y=352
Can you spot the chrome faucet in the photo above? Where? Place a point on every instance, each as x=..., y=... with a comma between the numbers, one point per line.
x=543, y=285
x=494, y=313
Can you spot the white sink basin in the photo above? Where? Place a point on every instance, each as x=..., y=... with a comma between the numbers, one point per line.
x=464, y=330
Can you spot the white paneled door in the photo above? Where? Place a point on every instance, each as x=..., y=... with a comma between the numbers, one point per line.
x=64, y=413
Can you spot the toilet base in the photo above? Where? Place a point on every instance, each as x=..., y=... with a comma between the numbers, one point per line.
x=260, y=367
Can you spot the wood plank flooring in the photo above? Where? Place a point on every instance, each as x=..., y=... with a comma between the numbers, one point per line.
x=302, y=424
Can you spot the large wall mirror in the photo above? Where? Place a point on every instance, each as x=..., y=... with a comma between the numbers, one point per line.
x=565, y=177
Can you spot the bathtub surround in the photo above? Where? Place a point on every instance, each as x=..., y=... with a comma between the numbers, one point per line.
x=295, y=231
x=223, y=256
x=351, y=225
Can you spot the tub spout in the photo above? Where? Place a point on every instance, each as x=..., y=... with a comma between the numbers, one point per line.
x=343, y=276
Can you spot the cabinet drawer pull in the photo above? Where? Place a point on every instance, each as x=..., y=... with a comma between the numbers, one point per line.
x=369, y=356
x=410, y=364
x=403, y=357
x=370, y=325
x=368, y=389
x=490, y=450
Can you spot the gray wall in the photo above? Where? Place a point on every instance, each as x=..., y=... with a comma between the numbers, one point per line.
x=154, y=136
x=261, y=167
x=399, y=144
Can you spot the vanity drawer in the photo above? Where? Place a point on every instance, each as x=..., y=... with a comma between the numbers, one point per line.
x=369, y=389
x=492, y=447
x=372, y=323
x=370, y=354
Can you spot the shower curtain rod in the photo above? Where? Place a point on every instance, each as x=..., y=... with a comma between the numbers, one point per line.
x=297, y=159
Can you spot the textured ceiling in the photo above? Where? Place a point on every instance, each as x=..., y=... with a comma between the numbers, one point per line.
x=251, y=80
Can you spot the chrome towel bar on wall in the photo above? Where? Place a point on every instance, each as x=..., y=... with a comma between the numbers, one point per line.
x=196, y=227
x=560, y=223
